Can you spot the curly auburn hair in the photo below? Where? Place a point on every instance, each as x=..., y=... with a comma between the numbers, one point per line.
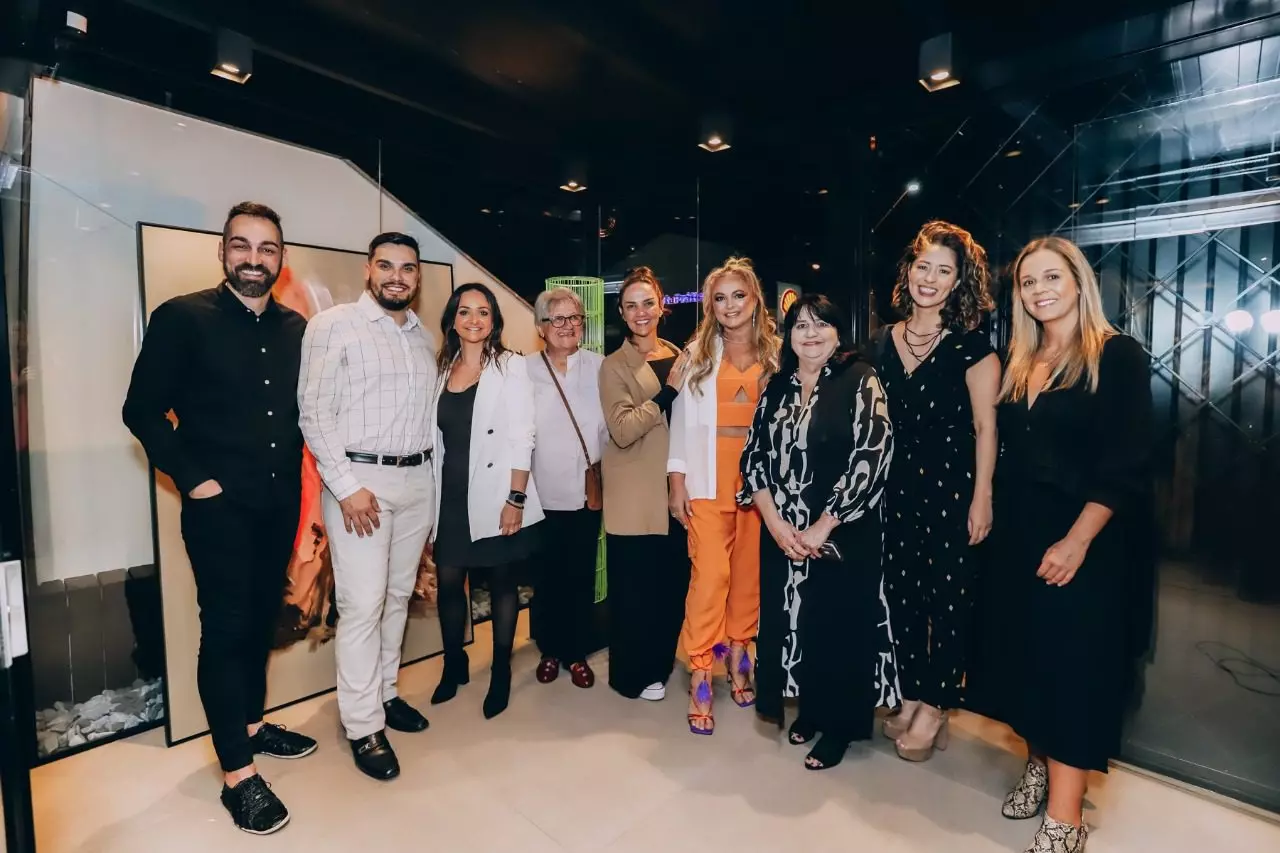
x=971, y=296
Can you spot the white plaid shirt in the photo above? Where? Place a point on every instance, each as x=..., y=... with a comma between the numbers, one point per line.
x=365, y=386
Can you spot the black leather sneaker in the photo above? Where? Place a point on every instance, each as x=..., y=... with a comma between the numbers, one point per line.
x=254, y=808
x=403, y=717
x=279, y=742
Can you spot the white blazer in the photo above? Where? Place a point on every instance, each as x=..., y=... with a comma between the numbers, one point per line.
x=501, y=441
x=692, y=450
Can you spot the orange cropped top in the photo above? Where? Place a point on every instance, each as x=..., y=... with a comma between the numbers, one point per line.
x=737, y=392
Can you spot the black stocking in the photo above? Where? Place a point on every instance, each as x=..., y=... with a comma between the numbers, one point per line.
x=452, y=606
x=506, y=607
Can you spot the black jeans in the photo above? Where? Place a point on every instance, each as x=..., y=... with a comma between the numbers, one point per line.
x=560, y=617
x=240, y=557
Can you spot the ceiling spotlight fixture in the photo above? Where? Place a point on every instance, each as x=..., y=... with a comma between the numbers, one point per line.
x=937, y=68
x=233, y=57
x=822, y=191
x=1103, y=200
x=573, y=186
x=714, y=143
x=1074, y=205
x=1013, y=152
x=913, y=187
x=485, y=210
x=816, y=266
x=1238, y=321
x=1271, y=322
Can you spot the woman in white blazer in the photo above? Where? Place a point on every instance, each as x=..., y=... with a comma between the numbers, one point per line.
x=488, y=504
x=731, y=356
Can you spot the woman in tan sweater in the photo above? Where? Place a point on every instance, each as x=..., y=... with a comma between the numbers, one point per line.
x=648, y=563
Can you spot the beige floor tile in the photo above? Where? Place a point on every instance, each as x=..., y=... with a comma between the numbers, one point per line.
x=589, y=772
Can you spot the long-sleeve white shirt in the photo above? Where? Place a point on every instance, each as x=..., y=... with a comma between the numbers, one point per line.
x=366, y=385
x=558, y=465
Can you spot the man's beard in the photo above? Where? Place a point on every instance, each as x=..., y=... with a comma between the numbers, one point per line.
x=250, y=289
x=391, y=303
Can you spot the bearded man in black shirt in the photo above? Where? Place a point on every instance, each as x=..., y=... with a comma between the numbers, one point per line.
x=225, y=362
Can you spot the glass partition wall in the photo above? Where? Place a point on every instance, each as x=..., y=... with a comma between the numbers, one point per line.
x=1170, y=179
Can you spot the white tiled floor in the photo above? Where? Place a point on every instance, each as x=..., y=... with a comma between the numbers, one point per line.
x=572, y=770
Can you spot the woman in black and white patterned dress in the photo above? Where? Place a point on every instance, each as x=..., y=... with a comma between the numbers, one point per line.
x=815, y=465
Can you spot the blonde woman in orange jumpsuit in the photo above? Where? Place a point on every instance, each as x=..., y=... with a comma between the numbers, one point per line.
x=728, y=361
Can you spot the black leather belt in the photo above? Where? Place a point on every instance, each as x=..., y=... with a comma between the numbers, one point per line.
x=393, y=461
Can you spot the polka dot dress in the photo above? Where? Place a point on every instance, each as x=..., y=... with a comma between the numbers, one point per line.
x=929, y=566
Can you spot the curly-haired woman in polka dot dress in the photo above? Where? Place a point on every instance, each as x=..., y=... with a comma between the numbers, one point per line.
x=942, y=379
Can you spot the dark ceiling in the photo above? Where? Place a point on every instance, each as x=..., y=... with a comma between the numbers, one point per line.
x=464, y=107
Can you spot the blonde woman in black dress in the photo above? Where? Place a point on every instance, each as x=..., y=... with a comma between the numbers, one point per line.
x=1065, y=603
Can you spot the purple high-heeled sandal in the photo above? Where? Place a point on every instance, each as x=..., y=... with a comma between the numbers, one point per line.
x=744, y=668
x=702, y=699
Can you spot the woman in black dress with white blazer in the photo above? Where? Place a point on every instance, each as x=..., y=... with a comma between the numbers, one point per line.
x=1065, y=604
x=488, y=504
x=815, y=465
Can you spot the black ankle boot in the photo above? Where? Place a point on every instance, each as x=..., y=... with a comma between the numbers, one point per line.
x=495, y=701
x=457, y=672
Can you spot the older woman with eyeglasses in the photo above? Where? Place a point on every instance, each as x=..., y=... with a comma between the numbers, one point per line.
x=569, y=434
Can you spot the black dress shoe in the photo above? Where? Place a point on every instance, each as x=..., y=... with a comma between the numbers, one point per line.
x=375, y=757
x=403, y=717
x=279, y=742
x=254, y=808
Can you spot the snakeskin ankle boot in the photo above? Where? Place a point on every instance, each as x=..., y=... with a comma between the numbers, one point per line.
x=1027, y=797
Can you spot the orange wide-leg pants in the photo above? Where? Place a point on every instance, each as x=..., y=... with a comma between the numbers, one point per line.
x=724, y=547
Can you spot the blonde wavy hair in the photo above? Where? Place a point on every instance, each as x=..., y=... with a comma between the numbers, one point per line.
x=1084, y=354
x=701, y=349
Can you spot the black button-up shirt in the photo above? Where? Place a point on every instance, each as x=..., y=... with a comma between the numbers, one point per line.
x=230, y=377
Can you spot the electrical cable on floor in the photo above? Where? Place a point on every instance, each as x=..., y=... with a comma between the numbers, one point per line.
x=1252, y=668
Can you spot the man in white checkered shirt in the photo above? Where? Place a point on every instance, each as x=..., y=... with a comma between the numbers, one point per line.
x=364, y=395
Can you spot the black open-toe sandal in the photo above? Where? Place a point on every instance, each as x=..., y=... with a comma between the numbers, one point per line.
x=826, y=753
x=802, y=731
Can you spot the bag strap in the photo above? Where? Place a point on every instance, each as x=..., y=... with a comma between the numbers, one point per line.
x=586, y=454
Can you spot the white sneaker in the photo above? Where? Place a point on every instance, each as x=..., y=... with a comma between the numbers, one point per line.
x=655, y=692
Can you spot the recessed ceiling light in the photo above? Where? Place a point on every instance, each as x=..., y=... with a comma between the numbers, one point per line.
x=714, y=143
x=822, y=191
x=816, y=266
x=1103, y=200
x=233, y=57
x=1013, y=152
x=485, y=210
x=936, y=64
x=573, y=186
x=1074, y=205
x=913, y=187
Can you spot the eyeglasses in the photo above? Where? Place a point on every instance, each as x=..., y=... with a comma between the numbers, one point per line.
x=559, y=320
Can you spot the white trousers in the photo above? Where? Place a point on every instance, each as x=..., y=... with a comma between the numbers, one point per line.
x=373, y=581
